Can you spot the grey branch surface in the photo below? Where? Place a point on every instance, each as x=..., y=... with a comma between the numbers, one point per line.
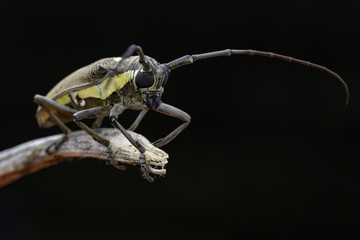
x=31, y=156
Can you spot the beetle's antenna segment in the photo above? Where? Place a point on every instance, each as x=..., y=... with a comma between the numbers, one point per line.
x=129, y=52
x=142, y=59
x=189, y=59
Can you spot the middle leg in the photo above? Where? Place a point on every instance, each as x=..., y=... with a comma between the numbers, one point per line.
x=98, y=113
x=114, y=113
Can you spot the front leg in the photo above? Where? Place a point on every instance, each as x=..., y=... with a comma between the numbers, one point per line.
x=118, y=109
x=173, y=112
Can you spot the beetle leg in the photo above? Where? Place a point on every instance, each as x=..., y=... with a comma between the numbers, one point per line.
x=46, y=104
x=97, y=123
x=92, y=113
x=138, y=120
x=173, y=112
x=129, y=52
x=114, y=113
x=98, y=113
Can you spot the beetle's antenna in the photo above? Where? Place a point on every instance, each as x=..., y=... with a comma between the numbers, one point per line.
x=142, y=59
x=129, y=52
x=189, y=59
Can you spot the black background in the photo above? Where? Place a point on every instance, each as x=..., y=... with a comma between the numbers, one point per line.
x=271, y=151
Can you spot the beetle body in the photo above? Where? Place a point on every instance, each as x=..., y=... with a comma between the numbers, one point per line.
x=92, y=86
x=111, y=85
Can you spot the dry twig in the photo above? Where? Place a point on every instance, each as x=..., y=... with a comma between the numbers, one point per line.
x=31, y=156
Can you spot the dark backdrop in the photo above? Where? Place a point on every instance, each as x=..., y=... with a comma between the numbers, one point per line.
x=271, y=150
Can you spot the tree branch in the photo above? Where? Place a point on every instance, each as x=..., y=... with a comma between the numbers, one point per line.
x=31, y=156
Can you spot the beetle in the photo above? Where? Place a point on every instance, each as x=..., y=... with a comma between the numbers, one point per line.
x=109, y=86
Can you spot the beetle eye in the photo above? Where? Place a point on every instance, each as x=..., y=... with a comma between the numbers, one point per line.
x=165, y=80
x=144, y=80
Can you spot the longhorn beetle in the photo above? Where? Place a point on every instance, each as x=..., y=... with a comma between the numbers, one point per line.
x=109, y=86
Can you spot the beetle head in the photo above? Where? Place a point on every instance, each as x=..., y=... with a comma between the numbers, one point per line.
x=150, y=83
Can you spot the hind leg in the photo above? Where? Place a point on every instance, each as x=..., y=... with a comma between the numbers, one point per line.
x=47, y=104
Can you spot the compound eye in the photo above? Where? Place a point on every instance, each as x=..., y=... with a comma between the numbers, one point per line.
x=165, y=80
x=144, y=80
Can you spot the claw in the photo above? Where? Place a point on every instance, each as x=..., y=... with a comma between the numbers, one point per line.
x=145, y=169
x=119, y=167
x=56, y=145
x=151, y=161
x=112, y=162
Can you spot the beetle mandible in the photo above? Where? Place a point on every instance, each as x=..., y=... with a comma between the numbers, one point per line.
x=111, y=85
